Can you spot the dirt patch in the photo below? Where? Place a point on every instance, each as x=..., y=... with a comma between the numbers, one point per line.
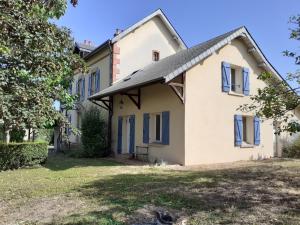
x=147, y=215
x=40, y=210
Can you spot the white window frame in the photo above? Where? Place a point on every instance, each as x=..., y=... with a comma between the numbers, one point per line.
x=93, y=83
x=248, y=141
x=238, y=74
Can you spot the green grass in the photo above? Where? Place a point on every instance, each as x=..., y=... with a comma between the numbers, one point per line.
x=96, y=191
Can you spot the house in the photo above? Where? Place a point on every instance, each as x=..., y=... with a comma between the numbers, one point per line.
x=179, y=104
x=143, y=43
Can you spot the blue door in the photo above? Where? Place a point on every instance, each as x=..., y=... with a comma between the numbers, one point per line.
x=132, y=134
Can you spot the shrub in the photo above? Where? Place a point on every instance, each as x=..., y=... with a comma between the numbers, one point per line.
x=17, y=135
x=292, y=150
x=15, y=155
x=94, y=133
x=46, y=135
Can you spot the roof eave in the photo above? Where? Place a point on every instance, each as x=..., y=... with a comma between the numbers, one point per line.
x=122, y=90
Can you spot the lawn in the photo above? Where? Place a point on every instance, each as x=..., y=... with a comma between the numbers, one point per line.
x=97, y=191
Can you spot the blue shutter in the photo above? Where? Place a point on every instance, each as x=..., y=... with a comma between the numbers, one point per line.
x=146, y=128
x=238, y=130
x=119, y=147
x=82, y=88
x=246, y=88
x=98, y=80
x=166, y=128
x=90, y=85
x=132, y=134
x=226, y=75
x=256, y=122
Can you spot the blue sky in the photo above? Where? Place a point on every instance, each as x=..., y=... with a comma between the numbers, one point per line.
x=195, y=21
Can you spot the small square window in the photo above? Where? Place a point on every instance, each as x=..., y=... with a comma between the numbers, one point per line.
x=155, y=55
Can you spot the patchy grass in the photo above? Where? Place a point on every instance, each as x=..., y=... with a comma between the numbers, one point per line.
x=94, y=191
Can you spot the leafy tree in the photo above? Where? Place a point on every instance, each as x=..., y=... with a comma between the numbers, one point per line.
x=94, y=133
x=37, y=63
x=277, y=99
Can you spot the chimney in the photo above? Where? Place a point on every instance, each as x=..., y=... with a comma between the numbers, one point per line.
x=117, y=32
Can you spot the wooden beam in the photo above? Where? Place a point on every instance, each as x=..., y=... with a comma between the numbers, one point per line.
x=106, y=105
x=177, y=92
x=178, y=88
x=136, y=101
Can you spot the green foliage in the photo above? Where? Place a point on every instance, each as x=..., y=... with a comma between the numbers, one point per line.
x=278, y=98
x=2, y=135
x=37, y=63
x=292, y=150
x=15, y=155
x=17, y=135
x=94, y=133
x=46, y=135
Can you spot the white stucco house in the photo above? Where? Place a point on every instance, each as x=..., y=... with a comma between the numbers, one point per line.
x=174, y=103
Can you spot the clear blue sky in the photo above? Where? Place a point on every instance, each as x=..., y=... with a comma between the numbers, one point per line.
x=195, y=21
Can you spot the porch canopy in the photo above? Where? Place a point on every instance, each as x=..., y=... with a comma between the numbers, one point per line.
x=165, y=70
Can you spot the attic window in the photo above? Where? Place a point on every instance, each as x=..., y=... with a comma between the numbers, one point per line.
x=155, y=55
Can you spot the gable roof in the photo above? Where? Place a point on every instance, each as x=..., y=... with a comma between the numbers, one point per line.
x=170, y=67
x=164, y=19
x=84, y=47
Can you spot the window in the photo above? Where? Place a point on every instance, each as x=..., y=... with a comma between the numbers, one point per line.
x=93, y=83
x=155, y=55
x=79, y=88
x=157, y=127
x=236, y=80
x=246, y=130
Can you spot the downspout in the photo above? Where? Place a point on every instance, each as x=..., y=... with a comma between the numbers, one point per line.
x=110, y=112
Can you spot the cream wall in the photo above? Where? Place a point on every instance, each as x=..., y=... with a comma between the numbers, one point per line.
x=154, y=98
x=136, y=47
x=101, y=61
x=209, y=112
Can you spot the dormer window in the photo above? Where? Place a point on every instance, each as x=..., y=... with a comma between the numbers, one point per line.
x=155, y=56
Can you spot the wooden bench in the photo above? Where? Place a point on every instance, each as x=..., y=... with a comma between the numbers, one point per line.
x=142, y=153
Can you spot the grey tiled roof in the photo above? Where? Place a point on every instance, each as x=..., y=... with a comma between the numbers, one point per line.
x=85, y=47
x=158, y=71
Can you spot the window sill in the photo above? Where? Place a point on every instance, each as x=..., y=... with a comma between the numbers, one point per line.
x=245, y=145
x=235, y=94
x=156, y=144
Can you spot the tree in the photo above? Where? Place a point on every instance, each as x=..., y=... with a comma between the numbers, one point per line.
x=94, y=133
x=37, y=63
x=277, y=99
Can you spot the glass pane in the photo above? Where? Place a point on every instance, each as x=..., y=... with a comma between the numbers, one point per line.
x=245, y=129
x=157, y=127
x=233, y=80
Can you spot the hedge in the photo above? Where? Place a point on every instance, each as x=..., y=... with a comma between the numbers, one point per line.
x=15, y=155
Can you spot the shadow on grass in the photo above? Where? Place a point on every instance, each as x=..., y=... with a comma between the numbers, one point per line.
x=60, y=161
x=254, y=195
